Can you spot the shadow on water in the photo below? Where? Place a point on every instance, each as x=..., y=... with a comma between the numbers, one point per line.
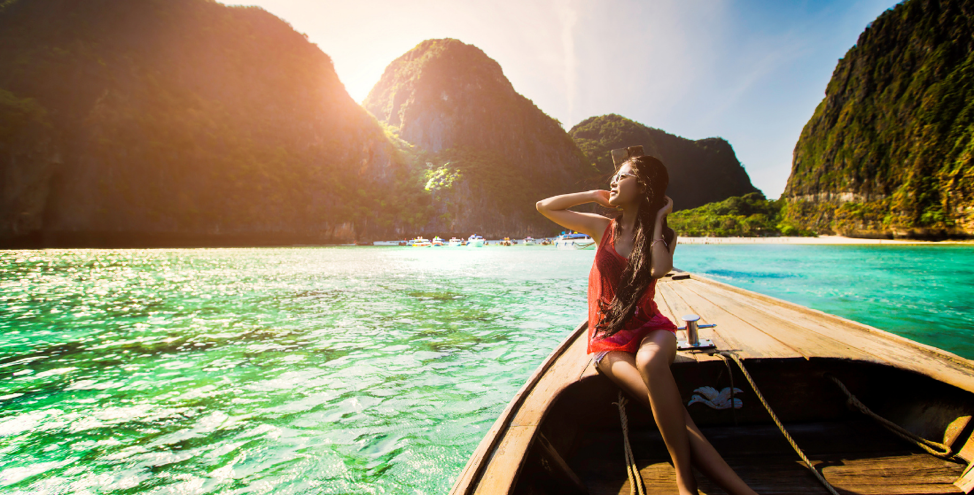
x=173, y=343
x=436, y=295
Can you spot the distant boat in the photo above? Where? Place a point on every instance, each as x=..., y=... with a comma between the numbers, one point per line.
x=420, y=242
x=475, y=241
x=389, y=243
x=529, y=241
x=574, y=240
x=454, y=242
x=508, y=242
x=437, y=241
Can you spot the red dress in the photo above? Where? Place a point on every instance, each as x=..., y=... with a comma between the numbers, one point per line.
x=602, y=282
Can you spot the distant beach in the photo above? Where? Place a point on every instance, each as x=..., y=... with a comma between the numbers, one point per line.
x=824, y=239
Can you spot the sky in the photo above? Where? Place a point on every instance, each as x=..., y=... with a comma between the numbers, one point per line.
x=751, y=72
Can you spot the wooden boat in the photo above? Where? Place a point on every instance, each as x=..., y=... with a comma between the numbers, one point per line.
x=562, y=432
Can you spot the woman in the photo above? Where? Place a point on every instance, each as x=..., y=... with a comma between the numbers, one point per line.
x=635, y=344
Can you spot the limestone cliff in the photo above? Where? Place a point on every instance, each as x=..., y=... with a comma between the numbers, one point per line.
x=489, y=153
x=701, y=171
x=888, y=151
x=188, y=122
x=141, y=122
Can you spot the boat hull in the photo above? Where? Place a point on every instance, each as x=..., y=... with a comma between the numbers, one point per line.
x=575, y=244
x=561, y=433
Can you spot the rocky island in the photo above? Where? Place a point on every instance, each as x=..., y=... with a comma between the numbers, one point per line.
x=889, y=152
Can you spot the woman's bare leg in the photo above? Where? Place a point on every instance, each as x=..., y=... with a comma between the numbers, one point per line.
x=711, y=464
x=652, y=362
x=621, y=368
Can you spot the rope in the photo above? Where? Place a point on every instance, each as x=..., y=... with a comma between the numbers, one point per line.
x=825, y=483
x=730, y=375
x=635, y=480
x=933, y=448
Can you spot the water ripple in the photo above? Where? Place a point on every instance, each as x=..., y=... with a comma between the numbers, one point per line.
x=293, y=370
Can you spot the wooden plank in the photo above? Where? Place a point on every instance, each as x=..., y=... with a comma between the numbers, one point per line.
x=664, y=309
x=900, y=351
x=589, y=369
x=967, y=451
x=562, y=373
x=679, y=307
x=901, y=474
x=871, y=455
x=809, y=344
x=739, y=334
x=500, y=475
x=856, y=335
x=965, y=482
x=559, y=468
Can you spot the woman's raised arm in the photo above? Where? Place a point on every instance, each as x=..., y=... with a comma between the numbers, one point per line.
x=663, y=251
x=556, y=209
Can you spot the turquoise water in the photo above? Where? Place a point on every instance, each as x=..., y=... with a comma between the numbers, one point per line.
x=296, y=370
x=344, y=369
x=922, y=292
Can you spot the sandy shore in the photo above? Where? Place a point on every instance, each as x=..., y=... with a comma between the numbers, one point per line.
x=824, y=239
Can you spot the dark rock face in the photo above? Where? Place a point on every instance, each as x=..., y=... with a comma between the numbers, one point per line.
x=701, y=171
x=134, y=122
x=888, y=151
x=489, y=153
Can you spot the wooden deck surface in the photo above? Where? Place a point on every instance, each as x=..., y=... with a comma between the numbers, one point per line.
x=757, y=326
x=856, y=457
x=753, y=325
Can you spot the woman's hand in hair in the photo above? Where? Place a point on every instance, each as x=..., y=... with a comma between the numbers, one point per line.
x=663, y=251
x=666, y=209
x=601, y=197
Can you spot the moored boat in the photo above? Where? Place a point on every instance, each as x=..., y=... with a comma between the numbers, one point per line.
x=475, y=241
x=529, y=241
x=574, y=240
x=437, y=241
x=420, y=242
x=562, y=432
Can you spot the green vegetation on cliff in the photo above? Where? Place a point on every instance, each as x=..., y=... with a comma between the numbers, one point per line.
x=187, y=117
x=750, y=215
x=688, y=162
x=490, y=152
x=889, y=149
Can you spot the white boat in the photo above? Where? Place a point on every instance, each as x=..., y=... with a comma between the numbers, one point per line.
x=475, y=241
x=420, y=242
x=437, y=241
x=574, y=240
x=454, y=242
x=529, y=241
x=389, y=243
